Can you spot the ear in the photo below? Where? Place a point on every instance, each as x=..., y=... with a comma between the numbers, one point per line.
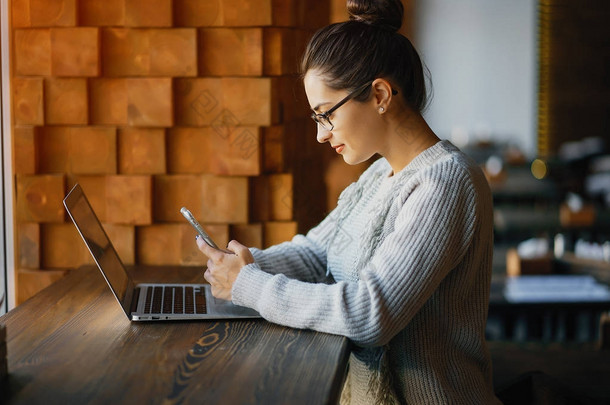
x=382, y=93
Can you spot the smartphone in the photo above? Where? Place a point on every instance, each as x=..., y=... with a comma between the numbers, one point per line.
x=189, y=217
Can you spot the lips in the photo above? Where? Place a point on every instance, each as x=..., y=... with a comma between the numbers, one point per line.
x=339, y=148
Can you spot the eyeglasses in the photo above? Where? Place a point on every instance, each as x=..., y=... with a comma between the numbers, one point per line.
x=324, y=118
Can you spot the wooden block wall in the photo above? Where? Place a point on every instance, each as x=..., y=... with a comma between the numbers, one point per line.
x=152, y=105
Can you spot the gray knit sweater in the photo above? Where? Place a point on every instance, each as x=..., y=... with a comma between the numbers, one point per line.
x=414, y=301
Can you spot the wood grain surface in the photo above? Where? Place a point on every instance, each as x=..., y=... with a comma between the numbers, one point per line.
x=71, y=344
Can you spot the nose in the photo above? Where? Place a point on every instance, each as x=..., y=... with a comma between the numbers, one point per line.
x=323, y=134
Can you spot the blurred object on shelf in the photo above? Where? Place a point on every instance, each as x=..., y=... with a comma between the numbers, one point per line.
x=539, y=169
x=494, y=170
x=529, y=258
x=582, y=149
x=597, y=183
x=575, y=212
x=533, y=248
x=559, y=245
x=592, y=250
x=513, y=155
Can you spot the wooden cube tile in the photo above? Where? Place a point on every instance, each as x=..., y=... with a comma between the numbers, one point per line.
x=98, y=13
x=28, y=245
x=108, y=101
x=141, y=151
x=281, y=53
x=123, y=238
x=250, y=235
x=148, y=13
x=20, y=14
x=197, y=13
x=44, y=13
x=75, y=51
x=30, y=282
x=32, y=52
x=80, y=150
x=226, y=151
x=278, y=232
x=248, y=101
x=289, y=93
x=198, y=102
x=129, y=200
x=173, y=192
x=93, y=150
x=259, y=201
x=224, y=199
x=284, y=13
x=125, y=200
x=173, y=52
x=234, y=151
x=53, y=149
x=39, y=198
x=187, y=151
x=150, y=102
x=149, y=52
x=280, y=197
x=28, y=101
x=231, y=51
x=94, y=188
x=62, y=247
x=227, y=102
x=66, y=101
x=24, y=150
x=160, y=244
x=313, y=14
x=236, y=13
x=247, y=13
x=125, y=52
x=273, y=149
x=174, y=244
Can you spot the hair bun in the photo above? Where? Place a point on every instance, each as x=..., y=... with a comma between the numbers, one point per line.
x=386, y=14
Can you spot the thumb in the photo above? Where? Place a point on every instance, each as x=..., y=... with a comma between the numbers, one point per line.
x=236, y=247
x=241, y=250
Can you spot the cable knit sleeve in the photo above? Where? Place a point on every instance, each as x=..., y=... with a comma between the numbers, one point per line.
x=303, y=258
x=432, y=227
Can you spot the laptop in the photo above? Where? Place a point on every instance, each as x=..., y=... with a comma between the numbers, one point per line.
x=150, y=301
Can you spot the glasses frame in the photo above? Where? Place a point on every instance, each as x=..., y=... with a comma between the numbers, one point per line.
x=324, y=117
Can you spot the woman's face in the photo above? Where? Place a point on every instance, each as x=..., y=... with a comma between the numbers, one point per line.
x=355, y=123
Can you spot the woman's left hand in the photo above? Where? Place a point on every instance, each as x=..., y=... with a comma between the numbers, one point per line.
x=224, y=266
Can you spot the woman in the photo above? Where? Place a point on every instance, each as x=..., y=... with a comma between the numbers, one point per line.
x=402, y=266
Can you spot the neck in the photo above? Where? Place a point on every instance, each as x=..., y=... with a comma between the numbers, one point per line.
x=407, y=137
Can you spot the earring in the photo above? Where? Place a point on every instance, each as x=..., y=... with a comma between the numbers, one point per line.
x=381, y=110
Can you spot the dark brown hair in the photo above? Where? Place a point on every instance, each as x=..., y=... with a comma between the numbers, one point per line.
x=366, y=47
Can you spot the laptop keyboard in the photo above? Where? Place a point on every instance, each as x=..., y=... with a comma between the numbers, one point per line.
x=175, y=300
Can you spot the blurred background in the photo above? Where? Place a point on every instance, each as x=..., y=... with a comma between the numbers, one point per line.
x=156, y=104
x=152, y=105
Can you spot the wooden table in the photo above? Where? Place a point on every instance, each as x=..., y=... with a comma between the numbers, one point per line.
x=72, y=344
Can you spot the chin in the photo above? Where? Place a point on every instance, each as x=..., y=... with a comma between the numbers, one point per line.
x=354, y=160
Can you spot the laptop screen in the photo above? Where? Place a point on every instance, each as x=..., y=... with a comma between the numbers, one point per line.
x=97, y=241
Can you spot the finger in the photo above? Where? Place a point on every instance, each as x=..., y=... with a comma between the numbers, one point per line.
x=207, y=250
x=241, y=251
x=237, y=247
x=209, y=277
